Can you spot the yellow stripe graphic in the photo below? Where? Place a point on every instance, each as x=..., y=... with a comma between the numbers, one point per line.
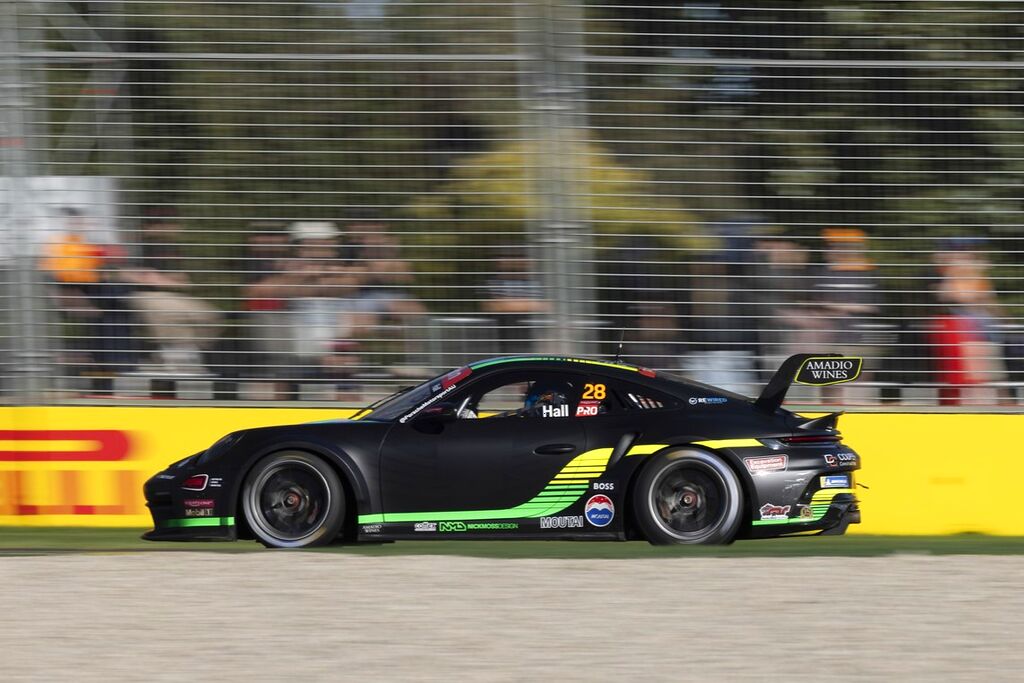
x=825, y=496
x=646, y=449
x=729, y=443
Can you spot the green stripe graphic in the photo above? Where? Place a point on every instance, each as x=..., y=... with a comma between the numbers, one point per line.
x=818, y=511
x=542, y=359
x=199, y=521
x=541, y=505
x=555, y=497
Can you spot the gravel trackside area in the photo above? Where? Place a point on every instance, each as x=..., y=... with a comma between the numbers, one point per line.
x=187, y=616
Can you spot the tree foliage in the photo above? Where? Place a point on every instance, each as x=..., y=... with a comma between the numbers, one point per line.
x=493, y=201
x=900, y=143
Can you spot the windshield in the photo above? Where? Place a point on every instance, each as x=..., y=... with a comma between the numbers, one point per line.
x=420, y=396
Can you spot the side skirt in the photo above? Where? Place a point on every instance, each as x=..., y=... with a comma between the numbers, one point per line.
x=407, y=532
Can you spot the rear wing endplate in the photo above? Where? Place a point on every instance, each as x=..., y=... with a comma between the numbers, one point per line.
x=812, y=369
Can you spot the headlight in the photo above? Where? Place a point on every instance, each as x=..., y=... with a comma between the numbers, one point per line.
x=184, y=462
x=219, y=448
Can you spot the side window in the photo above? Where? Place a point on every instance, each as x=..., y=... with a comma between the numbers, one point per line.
x=524, y=394
x=639, y=400
x=504, y=398
x=602, y=395
x=636, y=397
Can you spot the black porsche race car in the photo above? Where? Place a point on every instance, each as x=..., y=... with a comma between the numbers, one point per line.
x=529, y=447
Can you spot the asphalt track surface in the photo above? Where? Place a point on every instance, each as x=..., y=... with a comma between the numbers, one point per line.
x=204, y=616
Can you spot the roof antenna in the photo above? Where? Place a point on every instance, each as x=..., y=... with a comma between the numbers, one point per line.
x=618, y=351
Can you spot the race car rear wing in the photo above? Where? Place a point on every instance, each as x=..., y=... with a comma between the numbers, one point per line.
x=813, y=369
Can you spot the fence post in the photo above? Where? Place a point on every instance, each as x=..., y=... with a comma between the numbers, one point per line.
x=560, y=232
x=27, y=356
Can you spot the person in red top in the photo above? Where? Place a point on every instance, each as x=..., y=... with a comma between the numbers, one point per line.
x=965, y=345
x=955, y=339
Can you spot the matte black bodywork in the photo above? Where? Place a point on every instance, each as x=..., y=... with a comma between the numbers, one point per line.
x=411, y=476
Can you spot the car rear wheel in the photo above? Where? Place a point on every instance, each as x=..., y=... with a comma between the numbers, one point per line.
x=293, y=499
x=688, y=496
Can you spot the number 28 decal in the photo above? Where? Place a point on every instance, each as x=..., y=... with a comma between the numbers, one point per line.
x=594, y=391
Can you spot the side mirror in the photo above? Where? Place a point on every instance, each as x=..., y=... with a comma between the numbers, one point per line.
x=433, y=419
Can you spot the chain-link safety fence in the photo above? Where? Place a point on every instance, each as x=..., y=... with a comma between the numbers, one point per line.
x=326, y=200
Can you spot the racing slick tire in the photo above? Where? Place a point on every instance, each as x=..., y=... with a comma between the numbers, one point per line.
x=688, y=496
x=293, y=499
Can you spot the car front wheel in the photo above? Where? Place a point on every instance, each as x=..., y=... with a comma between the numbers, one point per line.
x=688, y=496
x=293, y=499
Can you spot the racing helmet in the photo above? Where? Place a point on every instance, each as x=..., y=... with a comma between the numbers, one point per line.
x=547, y=393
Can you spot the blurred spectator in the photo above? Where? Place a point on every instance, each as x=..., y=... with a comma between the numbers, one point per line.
x=263, y=333
x=320, y=293
x=387, y=294
x=782, y=300
x=325, y=319
x=652, y=336
x=181, y=325
x=387, y=278
x=723, y=310
x=792, y=314
x=1013, y=350
x=513, y=294
x=846, y=293
x=90, y=296
x=968, y=351
x=70, y=257
x=845, y=298
x=7, y=301
x=637, y=271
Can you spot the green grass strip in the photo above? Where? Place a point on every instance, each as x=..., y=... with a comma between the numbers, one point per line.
x=45, y=540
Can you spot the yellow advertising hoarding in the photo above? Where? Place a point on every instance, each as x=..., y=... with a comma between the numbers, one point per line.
x=85, y=466
x=80, y=466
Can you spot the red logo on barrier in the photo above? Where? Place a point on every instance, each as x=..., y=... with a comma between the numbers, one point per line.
x=71, y=493
x=109, y=445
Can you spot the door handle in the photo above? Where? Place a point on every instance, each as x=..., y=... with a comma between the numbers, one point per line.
x=554, y=449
